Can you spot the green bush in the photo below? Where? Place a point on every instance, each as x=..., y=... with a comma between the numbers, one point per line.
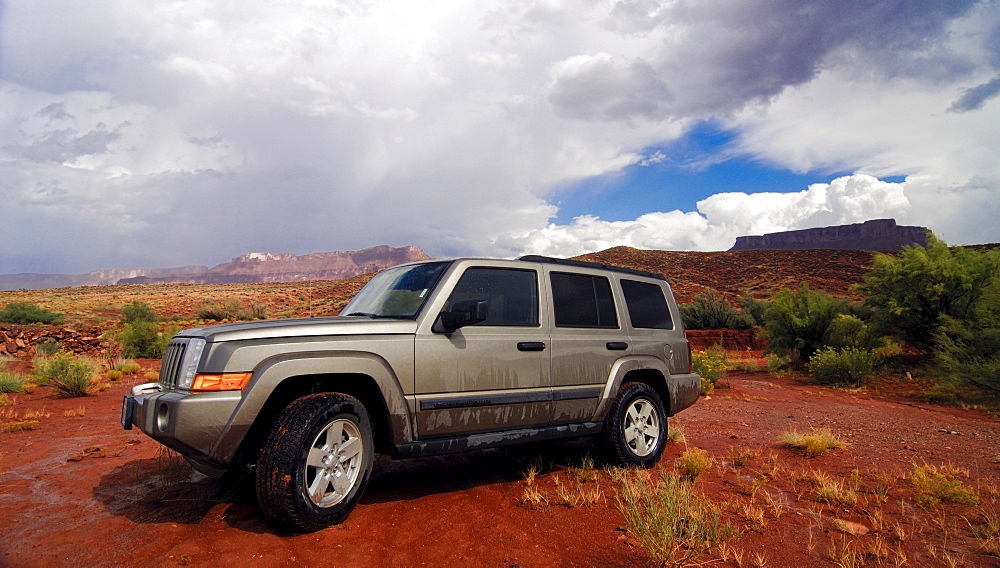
x=231, y=309
x=24, y=312
x=711, y=365
x=65, y=373
x=48, y=347
x=911, y=292
x=753, y=310
x=712, y=310
x=848, y=366
x=143, y=339
x=796, y=323
x=138, y=311
x=11, y=382
x=850, y=331
x=967, y=352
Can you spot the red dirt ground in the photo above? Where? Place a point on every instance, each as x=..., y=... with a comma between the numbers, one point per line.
x=78, y=490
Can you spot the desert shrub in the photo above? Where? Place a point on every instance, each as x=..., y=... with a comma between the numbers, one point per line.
x=231, y=309
x=909, y=293
x=138, y=311
x=847, y=330
x=114, y=375
x=711, y=310
x=24, y=312
x=813, y=445
x=711, y=365
x=936, y=484
x=836, y=493
x=848, y=366
x=143, y=339
x=967, y=352
x=11, y=382
x=129, y=367
x=48, y=347
x=753, y=309
x=673, y=523
x=67, y=374
x=693, y=462
x=796, y=323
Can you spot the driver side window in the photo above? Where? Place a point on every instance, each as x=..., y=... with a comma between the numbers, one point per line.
x=512, y=295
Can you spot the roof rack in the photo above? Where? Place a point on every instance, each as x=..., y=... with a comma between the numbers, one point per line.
x=585, y=264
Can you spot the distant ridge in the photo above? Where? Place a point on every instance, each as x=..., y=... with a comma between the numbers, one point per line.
x=874, y=235
x=247, y=268
x=286, y=267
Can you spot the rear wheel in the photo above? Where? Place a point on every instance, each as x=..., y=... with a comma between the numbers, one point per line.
x=635, y=429
x=316, y=462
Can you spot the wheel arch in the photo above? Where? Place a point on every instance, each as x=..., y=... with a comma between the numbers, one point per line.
x=278, y=382
x=647, y=370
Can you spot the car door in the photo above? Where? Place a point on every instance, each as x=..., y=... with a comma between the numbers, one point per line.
x=492, y=375
x=587, y=340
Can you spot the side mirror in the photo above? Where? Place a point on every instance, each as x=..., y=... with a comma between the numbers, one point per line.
x=461, y=315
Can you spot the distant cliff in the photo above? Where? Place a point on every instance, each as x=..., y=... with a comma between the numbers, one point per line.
x=247, y=268
x=287, y=267
x=34, y=281
x=878, y=234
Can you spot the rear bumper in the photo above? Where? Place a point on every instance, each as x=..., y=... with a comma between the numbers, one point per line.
x=684, y=390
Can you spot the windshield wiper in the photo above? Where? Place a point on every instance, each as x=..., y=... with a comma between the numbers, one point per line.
x=366, y=314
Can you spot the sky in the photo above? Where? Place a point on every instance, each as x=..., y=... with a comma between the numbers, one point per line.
x=137, y=134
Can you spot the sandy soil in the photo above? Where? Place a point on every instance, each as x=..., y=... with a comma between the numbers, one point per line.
x=78, y=490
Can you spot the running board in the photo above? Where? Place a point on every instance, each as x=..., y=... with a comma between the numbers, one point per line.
x=439, y=446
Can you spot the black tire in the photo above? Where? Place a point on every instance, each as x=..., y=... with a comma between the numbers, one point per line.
x=635, y=429
x=309, y=495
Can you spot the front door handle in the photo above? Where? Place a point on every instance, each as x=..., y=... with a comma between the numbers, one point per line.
x=617, y=345
x=530, y=346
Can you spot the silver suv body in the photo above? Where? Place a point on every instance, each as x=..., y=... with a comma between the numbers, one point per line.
x=429, y=358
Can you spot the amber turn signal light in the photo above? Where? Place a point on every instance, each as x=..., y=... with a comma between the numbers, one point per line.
x=224, y=382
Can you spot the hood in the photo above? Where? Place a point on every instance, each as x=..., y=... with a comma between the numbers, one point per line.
x=302, y=327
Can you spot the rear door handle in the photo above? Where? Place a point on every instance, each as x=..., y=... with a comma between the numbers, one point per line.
x=530, y=346
x=616, y=345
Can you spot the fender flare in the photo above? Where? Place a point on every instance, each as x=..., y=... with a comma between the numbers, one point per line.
x=276, y=370
x=623, y=367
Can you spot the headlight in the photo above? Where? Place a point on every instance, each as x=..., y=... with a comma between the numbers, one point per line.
x=189, y=362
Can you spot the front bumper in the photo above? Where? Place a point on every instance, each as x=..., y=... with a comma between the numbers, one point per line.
x=189, y=423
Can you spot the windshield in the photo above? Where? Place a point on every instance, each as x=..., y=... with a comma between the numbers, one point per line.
x=397, y=292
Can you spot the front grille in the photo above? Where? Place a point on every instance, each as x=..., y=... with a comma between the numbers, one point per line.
x=171, y=365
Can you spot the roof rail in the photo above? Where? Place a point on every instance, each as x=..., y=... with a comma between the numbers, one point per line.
x=585, y=264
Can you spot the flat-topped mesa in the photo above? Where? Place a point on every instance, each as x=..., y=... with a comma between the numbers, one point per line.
x=877, y=234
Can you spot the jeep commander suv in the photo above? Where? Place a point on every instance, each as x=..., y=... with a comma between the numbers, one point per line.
x=429, y=358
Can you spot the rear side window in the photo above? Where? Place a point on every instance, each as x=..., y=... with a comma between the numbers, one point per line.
x=583, y=301
x=647, y=307
x=512, y=294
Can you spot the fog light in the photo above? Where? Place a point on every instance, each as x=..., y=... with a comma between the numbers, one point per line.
x=162, y=417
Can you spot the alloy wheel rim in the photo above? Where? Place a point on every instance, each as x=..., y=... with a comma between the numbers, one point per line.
x=641, y=427
x=333, y=463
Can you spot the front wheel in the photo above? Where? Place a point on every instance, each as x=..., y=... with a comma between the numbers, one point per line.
x=635, y=429
x=315, y=463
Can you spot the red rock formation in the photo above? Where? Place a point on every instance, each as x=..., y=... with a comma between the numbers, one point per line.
x=287, y=267
x=878, y=234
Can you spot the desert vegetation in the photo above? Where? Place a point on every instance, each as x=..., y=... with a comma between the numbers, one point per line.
x=932, y=311
x=727, y=493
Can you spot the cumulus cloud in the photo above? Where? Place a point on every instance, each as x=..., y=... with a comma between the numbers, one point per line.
x=178, y=133
x=722, y=217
